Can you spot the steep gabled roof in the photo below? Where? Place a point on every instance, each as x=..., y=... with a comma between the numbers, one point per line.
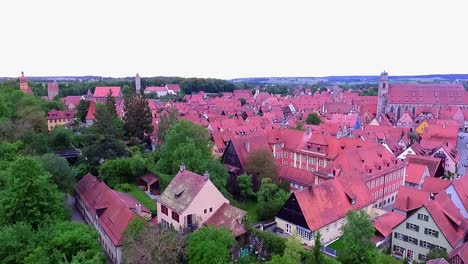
x=432, y=163
x=461, y=187
x=415, y=173
x=91, y=111
x=461, y=251
x=409, y=199
x=103, y=91
x=434, y=185
x=230, y=217
x=385, y=223
x=245, y=145
x=182, y=190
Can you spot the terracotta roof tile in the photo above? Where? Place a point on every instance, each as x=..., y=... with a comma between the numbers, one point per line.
x=461, y=251
x=434, y=185
x=415, y=173
x=103, y=91
x=385, y=223
x=432, y=163
x=230, y=217
x=409, y=199
x=55, y=114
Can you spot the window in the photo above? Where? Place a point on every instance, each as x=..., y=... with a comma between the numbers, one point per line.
x=304, y=233
x=327, y=228
x=398, y=249
x=175, y=216
x=413, y=227
x=425, y=244
x=310, y=160
x=381, y=180
x=422, y=257
x=431, y=232
x=285, y=163
x=399, y=236
x=285, y=154
x=423, y=217
x=343, y=222
x=314, y=161
x=439, y=247
x=412, y=240
x=321, y=163
x=205, y=211
x=288, y=229
x=211, y=209
x=335, y=224
x=372, y=184
x=304, y=159
x=164, y=209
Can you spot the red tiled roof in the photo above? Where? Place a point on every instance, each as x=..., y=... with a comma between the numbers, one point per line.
x=434, y=185
x=291, y=174
x=174, y=87
x=432, y=163
x=409, y=199
x=255, y=142
x=230, y=217
x=180, y=193
x=60, y=114
x=153, y=89
x=438, y=94
x=103, y=91
x=149, y=178
x=91, y=111
x=437, y=261
x=331, y=200
x=415, y=173
x=448, y=218
x=385, y=223
x=71, y=99
x=119, y=209
x=461, y=251
x=436, y=135
x=461, y=187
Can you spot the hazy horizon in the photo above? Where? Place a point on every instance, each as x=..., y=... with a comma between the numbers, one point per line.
x=229, y=40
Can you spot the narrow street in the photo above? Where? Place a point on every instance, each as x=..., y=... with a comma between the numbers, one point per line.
x=463, y=151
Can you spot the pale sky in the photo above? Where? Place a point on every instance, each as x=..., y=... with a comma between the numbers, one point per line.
x=230, y=39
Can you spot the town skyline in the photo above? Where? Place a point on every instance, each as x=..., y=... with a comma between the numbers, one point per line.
x=234, y=40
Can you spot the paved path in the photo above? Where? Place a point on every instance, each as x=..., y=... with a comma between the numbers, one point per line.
x=76, y=215
x=462, y=149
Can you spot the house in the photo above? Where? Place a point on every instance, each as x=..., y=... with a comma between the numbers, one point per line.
x=158, y=90
x=149, y=182
x=415, y=175
x=437, y=224
x=101, y=92
x=406, y=120
x=449, y=155
x=190, y=200
x=414, y=149
x=434, y=164
x=421, y=127
x=172, y=88
x=72, y=101
x=108, y=211
x=59, y=118
x=323, y=208
x=409, y=199
x=384, y=225
x=458, y=193
x=434, y=185
x=459, y=255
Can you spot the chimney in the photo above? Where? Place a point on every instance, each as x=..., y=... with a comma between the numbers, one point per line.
x=138, y=209
x=182, y=167
x=206, y=175
x=247, y=145
x=432, y=197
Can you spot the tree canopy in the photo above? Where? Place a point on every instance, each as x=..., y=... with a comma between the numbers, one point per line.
x=62, y=174
x=261, y=164
x=137, y=119
x=270, y=199
x=210, y=245
x=313, y=119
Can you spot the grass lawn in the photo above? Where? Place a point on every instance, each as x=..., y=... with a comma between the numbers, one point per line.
x=143, y=198
x=250, y=207
x=338, y=245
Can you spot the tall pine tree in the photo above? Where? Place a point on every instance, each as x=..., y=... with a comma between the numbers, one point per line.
x=137, y=119
x=110, y=104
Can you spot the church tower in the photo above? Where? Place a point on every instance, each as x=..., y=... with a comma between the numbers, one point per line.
x=24, y=86
x=137, y=83
x=382, y=94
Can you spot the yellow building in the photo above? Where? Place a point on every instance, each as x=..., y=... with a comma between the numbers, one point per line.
x=421, y=127
x=59, y=118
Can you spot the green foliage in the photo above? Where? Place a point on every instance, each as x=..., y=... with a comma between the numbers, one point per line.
x=245, y=184
x=272, y=243
x=387, y=259
x=317, y=256
x=270, y=198
x=35, y=143
x=147, y=244
x=436, y=253
x=9, y=151
x=210, y=245
x=68, y=242
x=357, y=235
x=299, y=126
x=122, y=170
x=110, y=104
x=123, y=187
x=82, y=110
x=313, y=119
x=128, y=91
x=371, y=91
x=61, y=173
x=188, y=143
x=101, y=141
x=193, y=85
x=261, y=165
x=138, y=118
x=29, y=196
x=61, y=139
x=165, y=123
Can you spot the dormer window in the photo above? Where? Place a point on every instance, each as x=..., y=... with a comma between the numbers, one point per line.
x=318, y=148
x=353, y=201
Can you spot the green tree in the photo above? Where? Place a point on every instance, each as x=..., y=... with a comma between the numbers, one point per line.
x=16, y=242
x=357, y=235
x=122, y=170
x=128, y=91
x=61, y=139
x=313, y=119
x=138, y=118
x=110, y=104
x=210, y=245
x=165, y=123
x=436, y=253
x=245, y=186
x=62, y=174
x=101, y=141
x=261, y=164
x=316, y=253
x=147, y=244
x=270, y=199
x=242, y=101
x=35, y=143
x=29, y=196
x=82, y=110
x=292, y=252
